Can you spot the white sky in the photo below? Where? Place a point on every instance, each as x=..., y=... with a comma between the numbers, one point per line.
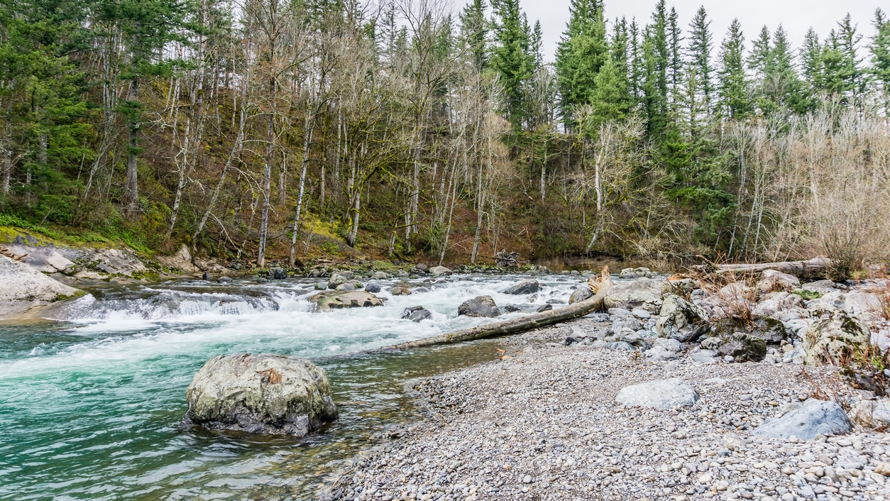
x=796, y=16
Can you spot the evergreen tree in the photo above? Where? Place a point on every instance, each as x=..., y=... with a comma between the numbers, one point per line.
x=618, y=50
x=653, y=99
x=880, y=57
x=735, y=98
x=675, y=38
x=609, y=98
x=635, y=72
x=760, y=60
x=700, y=45
x=581, y=53
x=811, y=63
x=852, y=72
x=661, y=53
x=510, y=55
x=474, y=32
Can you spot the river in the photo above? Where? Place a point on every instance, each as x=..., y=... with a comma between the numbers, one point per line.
x=90, y=407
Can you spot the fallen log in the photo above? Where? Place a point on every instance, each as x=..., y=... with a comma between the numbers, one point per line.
x=814, y=267
x=522, y=324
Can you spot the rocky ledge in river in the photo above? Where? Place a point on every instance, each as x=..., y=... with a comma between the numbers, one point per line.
x=269, y=394
x=332, y=300
x=22, y=287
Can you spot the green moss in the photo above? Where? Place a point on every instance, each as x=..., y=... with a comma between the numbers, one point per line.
x=807, y=295
x=63, y=297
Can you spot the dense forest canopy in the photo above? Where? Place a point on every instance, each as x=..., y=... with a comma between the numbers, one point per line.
x=280, y=129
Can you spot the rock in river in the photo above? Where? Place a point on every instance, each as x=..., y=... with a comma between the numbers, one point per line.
x=331, y=300
x=524, y=287
x=481, y=306
x=22, y=287
x=416, y=314
x=262, y=393
x=662, y=395
x=813, y=418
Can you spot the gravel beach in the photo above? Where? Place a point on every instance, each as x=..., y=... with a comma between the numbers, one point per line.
x=543, y=423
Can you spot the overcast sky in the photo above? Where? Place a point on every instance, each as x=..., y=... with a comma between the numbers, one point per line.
x=795, y=15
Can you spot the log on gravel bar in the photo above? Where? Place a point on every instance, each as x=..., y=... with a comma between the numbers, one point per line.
x=522, y=324
x=812, y=267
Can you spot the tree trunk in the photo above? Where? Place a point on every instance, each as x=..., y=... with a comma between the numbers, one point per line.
x=804, y=269
x=517, y=325
x=131, y=198
x=307, y=141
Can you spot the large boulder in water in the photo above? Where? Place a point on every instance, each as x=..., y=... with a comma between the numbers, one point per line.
x=524, y=287
x=438, y=271
x=482, y=306
x=333, y=300
x=22, y=286
x=263, y=393
x=416, y=314
x=834, y=338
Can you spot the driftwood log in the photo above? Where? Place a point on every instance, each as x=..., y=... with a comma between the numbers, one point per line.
x=814, y=267
x=522, y=324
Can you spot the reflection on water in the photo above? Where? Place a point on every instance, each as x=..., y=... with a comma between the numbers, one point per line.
x=90, y=408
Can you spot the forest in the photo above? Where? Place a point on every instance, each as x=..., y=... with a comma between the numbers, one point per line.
x=415, y=129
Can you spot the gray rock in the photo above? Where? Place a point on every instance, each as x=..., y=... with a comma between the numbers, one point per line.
x=706, y=357
x=438, y=271
x=741, y=346
x=181, y=261
x=772, y=281
x=641, y=313
x=263, y=393
x=645, y=293
x=332, y=300
x=619, y=345
x=629, y=273
x=481, y=306
x=373, y=287
x=774, y=304
x=512, y=308
x=814, y=417
x=581, y=293
x=679, y=319
x=871, y=413
x=834, y=338
x=416, y=314
x=224, y=280
x=347, y=287
x=546, y=307
x=379, y=275
x=336, y=280
x=524, y=287
x=278, y=273
x=820, y=286
x=22, y=287
x=662, y=395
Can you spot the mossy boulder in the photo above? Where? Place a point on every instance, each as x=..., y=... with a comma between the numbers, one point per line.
x=333, y=300
x=834, y=339
x=264, y=393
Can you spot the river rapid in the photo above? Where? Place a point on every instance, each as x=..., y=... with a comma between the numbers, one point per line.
x=90, y=407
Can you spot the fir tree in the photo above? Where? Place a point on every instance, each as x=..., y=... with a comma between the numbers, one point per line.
x=474, y=32
x=510, y=56
x=880, y=57
x=675, y=38
x=582, y=51
x=700, y=45
x=735, y=99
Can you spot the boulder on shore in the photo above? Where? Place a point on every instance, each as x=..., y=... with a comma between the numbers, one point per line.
x=22, y=287
x=262, y=393
x=332, y=300
x=679, y=319
x=481, y=306
x=741, y=346
x=662, y=395
x=813, y=418
x=524, y=287
x=643, y=293
x=834, y=338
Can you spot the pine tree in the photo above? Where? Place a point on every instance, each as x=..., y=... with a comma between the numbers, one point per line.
x=609, y=98
x=853, y=74
x=787, y=88
x=880, y=57
x=653, y=99
x=760, y=60
x=661, y=53
x=635, y=75
x=735, y=99
x=618, y=50
x=474, y=32
x=700, y=45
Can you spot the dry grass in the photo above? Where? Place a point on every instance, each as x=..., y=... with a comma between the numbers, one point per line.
x=736, y=291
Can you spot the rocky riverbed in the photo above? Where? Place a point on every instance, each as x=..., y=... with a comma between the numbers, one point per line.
x=543, y=423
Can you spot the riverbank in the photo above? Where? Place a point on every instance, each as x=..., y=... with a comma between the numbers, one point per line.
x=542, y=423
